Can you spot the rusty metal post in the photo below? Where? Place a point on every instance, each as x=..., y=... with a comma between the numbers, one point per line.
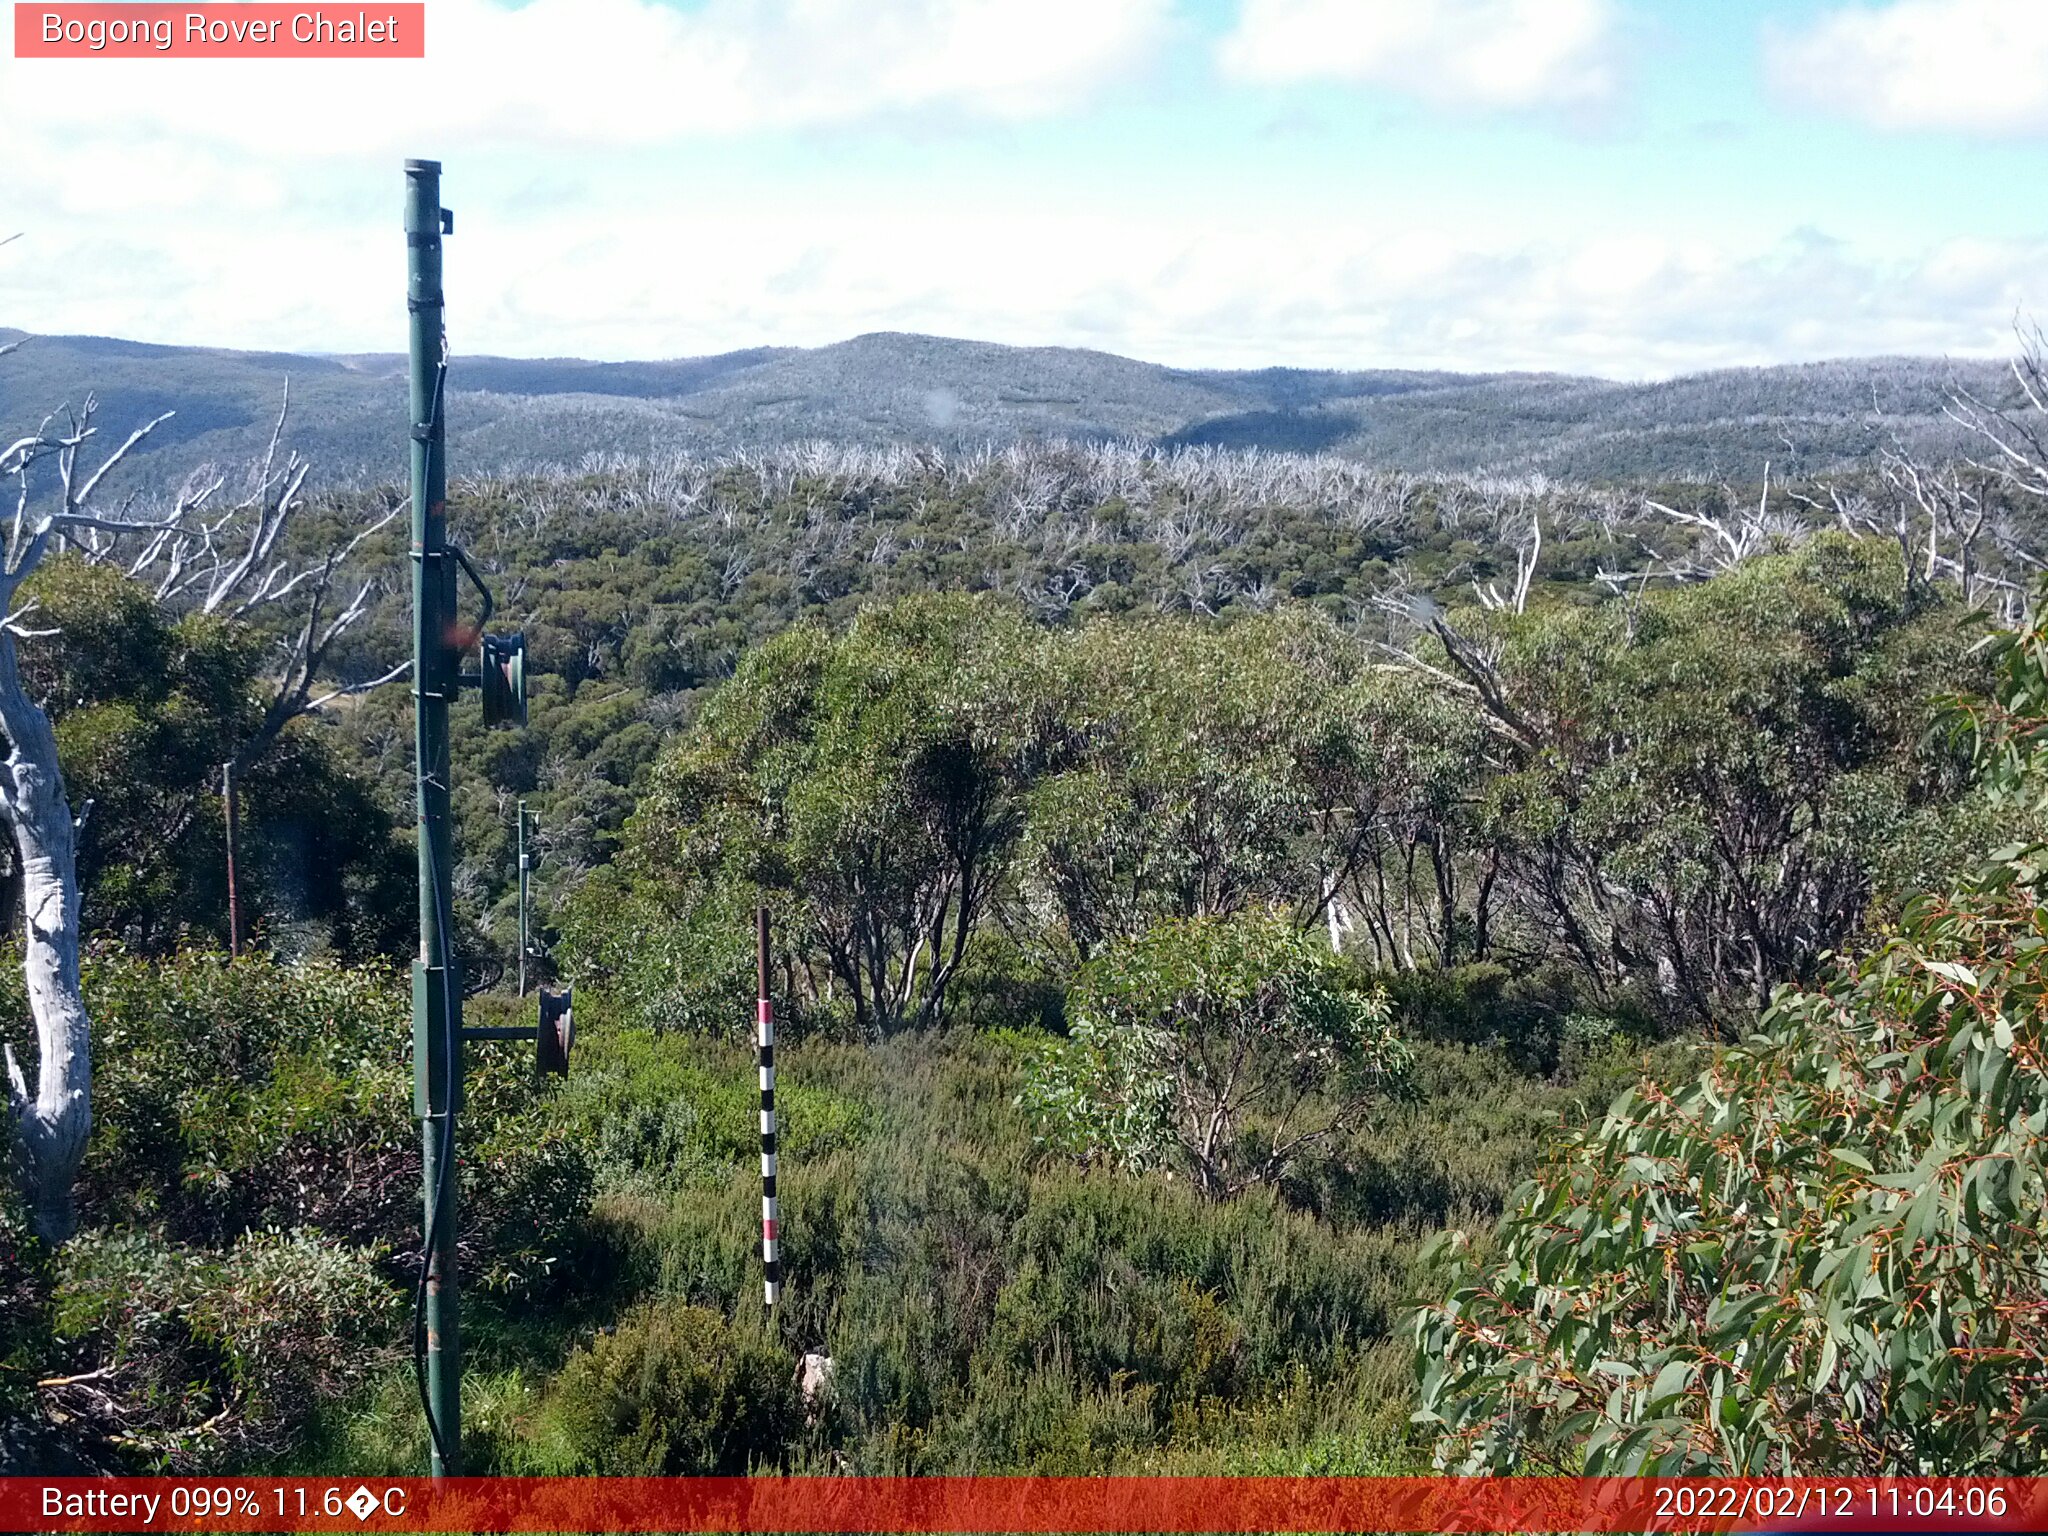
x=230, y=793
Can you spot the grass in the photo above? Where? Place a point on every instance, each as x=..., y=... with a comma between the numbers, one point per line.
x=990, y=1308
x=991, y=1305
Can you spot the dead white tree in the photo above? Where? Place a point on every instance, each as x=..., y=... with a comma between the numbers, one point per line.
x=1473, y=661
x=52, y=1118
x=1954, y=502
x=1951, y=519
x=1722, y=540
x=234, y=561
x=2014, y=437
x=1725, y=541
x=229, y=562
x=1527, y=552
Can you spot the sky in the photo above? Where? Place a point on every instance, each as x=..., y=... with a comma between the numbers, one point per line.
x=1630, y=188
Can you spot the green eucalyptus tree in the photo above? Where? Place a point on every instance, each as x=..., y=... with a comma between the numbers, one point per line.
x=1225, y=1047
x=1822, y=1254
x=1702, y=785
x=1207, y=768
x=872, y=783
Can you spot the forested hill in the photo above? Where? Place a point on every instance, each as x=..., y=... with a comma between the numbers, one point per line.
x=510, y=413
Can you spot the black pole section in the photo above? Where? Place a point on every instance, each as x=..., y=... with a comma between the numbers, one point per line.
x=436, y=987
x=764, y=1014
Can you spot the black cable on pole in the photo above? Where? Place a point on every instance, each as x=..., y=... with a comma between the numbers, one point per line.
x=450, y=1045
x=447, y=1159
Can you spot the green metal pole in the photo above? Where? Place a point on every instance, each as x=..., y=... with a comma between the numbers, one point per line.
x=436, y=991
x=522, y=899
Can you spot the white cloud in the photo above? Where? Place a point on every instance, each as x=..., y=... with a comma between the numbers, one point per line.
x=1978, y=66
x=255, y=206
x=243, y=199
x=606, y=73
x=1477, y=53
x=1309, y=285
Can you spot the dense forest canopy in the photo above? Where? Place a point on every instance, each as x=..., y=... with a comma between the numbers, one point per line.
x=1678, y=802
x=641, y=587
x=1824, y=1250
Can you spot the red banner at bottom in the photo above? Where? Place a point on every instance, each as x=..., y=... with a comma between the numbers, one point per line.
x=1002, y=1504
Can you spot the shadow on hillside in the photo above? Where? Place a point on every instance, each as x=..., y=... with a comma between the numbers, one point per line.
x=1283, y=431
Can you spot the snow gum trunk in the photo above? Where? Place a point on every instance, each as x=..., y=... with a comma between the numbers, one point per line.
x=52, y=1117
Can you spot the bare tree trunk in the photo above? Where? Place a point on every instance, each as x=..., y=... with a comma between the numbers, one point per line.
x=50, y=1124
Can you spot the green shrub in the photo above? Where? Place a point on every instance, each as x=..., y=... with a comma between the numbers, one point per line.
x=1003, y=983
x=235, y=1100
x=991, y=1309
x=1820, y=1254
x=24, y=1303
x=195, y=1360
x=660, y=965
x=1465, y=1130
x=231, y=1096
x=657, y=1108
x=1225, y=1046
x=1537, y=1019
x=675, y=1391
x=237, y=1096
x=1012, y=1312
x=1823, y=1253
x=527, y=1181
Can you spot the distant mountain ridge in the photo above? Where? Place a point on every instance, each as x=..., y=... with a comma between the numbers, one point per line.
x=892, y=387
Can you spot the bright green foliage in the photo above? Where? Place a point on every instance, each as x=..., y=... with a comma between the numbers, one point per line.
x=992, y=1307
x=653, y=1112
x=668, y=958
x=675, y=1391
x=1205, y=768
x=1821, y=1255
x=953, y=802
x=242, y=1096
x=1102, y=1094
x=211, y=1359
x=995, y=1308
x=871, y=783
x=2007, y=733
x=1227, y=1046
x=1706, y=784
x=943, y=763
x=1544, y=1016
x=1660, y=807
x=147, y=707
x=236, y=1102
x=1180, y=793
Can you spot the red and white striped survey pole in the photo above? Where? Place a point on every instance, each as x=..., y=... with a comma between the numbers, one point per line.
x=771, y=1262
